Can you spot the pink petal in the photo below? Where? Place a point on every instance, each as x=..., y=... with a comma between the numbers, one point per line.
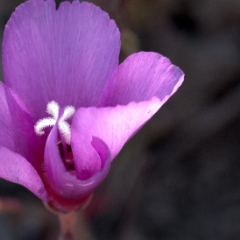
x=17, y=169
x=140, y=77
x=64, y=55
x=65, y=183
x=17, y=131
x=7, y=135
x=114, y=125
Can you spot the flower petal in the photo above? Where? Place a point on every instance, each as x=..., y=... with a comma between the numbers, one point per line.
x=114, y=125
x=64, y=55
x=140, y=77
x=17, y=132
x=66, y=184
x=17, y=169
x=7, y=129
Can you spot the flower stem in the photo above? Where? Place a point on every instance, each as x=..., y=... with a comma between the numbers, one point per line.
x=73, y=226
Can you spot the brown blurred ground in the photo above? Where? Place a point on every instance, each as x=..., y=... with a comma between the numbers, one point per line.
x=178, y=178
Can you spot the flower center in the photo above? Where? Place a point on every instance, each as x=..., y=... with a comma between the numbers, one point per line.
x=53, y=109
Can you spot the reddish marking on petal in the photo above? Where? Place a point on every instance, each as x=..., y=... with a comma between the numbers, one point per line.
x=67, y=160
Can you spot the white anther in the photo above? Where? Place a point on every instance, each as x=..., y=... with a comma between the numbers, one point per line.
x=43, y=123
x=53, y=109
x=64, y=127
x=68, y=112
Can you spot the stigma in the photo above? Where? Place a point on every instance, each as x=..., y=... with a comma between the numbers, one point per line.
x=53, y=109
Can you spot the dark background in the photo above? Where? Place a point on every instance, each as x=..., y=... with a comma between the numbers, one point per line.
x=179, y=177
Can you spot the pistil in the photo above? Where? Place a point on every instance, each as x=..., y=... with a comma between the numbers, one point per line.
x=59, y=117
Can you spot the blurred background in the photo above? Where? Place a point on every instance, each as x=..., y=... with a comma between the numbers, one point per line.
x=179, y=177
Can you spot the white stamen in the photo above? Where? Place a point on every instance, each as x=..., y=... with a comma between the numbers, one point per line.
x=68, y=112
x=43, y=123
x=64, y=127
x=53, y=109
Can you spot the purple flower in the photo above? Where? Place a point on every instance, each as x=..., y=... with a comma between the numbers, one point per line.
x=66, y=107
